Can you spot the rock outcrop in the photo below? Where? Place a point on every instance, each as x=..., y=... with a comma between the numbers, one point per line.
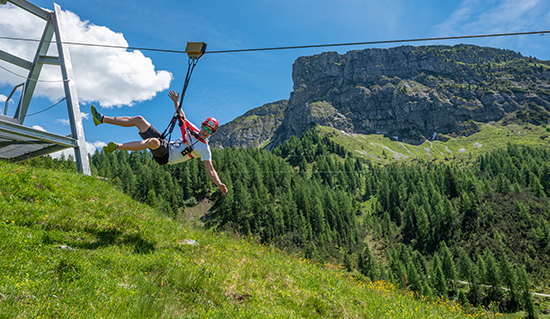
x=253, y=129
x=409, y=93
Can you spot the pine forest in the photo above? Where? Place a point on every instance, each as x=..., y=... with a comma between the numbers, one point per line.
x=477, y=232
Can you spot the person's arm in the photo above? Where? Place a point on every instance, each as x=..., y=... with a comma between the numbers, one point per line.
x=214, y=177
x=176, y=97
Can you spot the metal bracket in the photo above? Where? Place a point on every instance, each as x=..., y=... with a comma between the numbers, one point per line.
x=9, y=97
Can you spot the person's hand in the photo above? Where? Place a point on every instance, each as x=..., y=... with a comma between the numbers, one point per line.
x=175, y=97
x=223, y=188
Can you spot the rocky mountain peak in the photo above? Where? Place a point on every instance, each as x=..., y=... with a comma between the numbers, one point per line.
x=409, y=93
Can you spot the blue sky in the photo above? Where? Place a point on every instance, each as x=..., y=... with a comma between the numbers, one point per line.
x=227, y=85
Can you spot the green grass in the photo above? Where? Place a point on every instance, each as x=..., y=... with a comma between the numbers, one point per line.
x=381, y=149
x=73, y=246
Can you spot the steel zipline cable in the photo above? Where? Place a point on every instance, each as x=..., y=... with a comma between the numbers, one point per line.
x=384, y=42
x=542, y=32
x=297, y=46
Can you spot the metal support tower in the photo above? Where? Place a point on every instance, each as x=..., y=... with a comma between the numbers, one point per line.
x=12, y=128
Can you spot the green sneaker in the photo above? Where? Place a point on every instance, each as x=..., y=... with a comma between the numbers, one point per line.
x=111, y=147
x=98, y=117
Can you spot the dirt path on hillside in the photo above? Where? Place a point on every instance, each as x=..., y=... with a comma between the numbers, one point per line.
x=533, y=293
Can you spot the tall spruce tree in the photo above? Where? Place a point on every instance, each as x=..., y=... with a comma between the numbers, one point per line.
x=526, y=297
x=438, y=278
x=448, y=267
x=492, y=276
x=509, y=279
x=469, y=272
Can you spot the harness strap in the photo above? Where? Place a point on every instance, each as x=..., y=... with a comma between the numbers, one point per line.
x=197, y=136
x=170, y=128
x=190, y=67
x=189, y=149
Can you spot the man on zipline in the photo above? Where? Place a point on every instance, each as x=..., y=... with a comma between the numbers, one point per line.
x=193, y=143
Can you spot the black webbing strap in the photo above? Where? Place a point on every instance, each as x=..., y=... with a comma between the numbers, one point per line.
x=176, y=118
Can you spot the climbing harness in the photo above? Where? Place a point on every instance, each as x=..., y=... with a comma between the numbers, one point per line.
x=194, y=51
x=187, y=130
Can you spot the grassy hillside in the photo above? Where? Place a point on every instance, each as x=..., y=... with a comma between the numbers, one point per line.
x=72, y=246
x=383, y=149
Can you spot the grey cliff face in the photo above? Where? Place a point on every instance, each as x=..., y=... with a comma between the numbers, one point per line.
x=253, y=129
x=409, y=93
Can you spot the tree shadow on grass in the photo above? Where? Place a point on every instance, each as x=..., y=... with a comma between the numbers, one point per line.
x=105, y=238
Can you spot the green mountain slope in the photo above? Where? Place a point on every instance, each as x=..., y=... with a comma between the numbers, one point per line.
x=382, y=149
x=72, y=246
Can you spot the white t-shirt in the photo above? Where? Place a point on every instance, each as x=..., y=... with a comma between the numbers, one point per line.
x=200, y=149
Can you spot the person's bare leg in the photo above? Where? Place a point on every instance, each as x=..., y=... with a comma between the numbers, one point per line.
x=151, y=143
x=128, y=121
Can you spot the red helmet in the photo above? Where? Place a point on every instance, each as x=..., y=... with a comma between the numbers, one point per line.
x=212, y=122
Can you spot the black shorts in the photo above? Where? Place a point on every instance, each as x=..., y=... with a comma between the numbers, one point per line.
x=160, y=154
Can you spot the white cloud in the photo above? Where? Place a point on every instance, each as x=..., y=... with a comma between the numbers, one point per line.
x=84, y=116
x=3, y=98
x=478, y=16
x=39, y=128
x=90, y=148
x=112, y=77
x=501, y=16
x=98, y=144
x=63, y=121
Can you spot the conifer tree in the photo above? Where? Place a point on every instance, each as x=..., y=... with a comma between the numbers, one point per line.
x=275, y=220
x=414, y=282
x=186, y=183
x=290, y=211
x=128, y=178
x=421, y=264
x=526, y=297
x=469, y=272
x=394, y=202
x=509, y=279
x=383, y=194
x=225, y=207
x=426, y=289
x=152, y=198
x=241, y=203
x=487, y=189
x=318, y=220
x=302, y=225
x=545, y=178
x=386, y=223
x=516, y=188
x=422, y=224
x=451, y=183
x=536, y=186
x=361, y=263
x=409, y=219
x=347, y=262
x=369, y=267
x=502, y=184
x=492, y=275
x=448, y=267
x=438, y=278
x=368, y=187
x=462, y=297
